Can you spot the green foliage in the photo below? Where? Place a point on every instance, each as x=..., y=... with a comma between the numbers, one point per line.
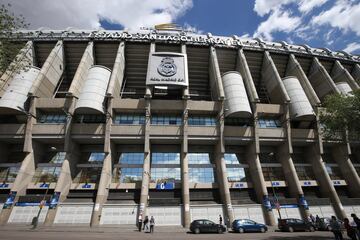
x=9, y=23
x=342, y=114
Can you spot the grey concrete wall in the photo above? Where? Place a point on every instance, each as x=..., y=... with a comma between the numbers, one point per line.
x=340, y=74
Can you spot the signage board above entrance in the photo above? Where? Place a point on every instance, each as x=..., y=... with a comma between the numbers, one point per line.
x=167, y=69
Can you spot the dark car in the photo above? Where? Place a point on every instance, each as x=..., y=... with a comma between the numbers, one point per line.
x=293, y=224
x=206, y=226
x=323, y=224
x=247, y=225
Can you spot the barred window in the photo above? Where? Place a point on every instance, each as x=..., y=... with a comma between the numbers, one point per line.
x=166, y=120
x=269, y=123
x=52, y=118
x=129, y=119
x=202, y=121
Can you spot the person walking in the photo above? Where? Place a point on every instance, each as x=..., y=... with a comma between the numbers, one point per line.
x=312, y=218
x=336, y=228
x=350, y=230
x=152, y=224
x=357, y=222
x=146, y=224
x=220, y=219
x=140, y=222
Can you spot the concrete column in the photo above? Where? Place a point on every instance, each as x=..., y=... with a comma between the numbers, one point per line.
x=243, y=68
x=87, y=60
x=321, y=80
x=313, y=155
x=25, y=58
x=186, y=89
x=106, y=171
x=50, y=73
x=340, y=74
x=222, y=173
x=356, y=73
x=146, y=166
x=273, y=82
x=185, y=170
x=217, y=90
x=257, y=177
x=117, y=74
x=283, y=153
x=341, y=155
x=148, y=93
x=294, y=69
x=68, y=168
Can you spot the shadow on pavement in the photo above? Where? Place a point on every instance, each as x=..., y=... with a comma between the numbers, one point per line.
x=299, y=238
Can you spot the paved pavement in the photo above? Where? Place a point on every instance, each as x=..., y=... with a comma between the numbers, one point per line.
x=17, y=232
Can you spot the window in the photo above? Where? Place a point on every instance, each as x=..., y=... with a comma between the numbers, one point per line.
x=236, y=174
x=96, y=157
x=46, y=174
x=58, y=158
x=199, y=158
x=273, y=174
x=166, y=120
x=131, y=158
x=129, y=119
x=8, y=174
x=269, y=123
x=305, y=172
x=240, y=122
x=334, y=172
x=131, y=175
x=201, y=175
x=165, y=174
x=88, y=175
x=165, y=158
x=52, y=118
x=231, y=158
x=202, y=121
x=268, y=157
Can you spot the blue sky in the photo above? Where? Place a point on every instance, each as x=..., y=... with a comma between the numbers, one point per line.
x=334, y=24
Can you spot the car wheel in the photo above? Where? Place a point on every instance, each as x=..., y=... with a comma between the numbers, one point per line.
x=311, y=229
x=262, y=230
x=290, y=229
x=241, y=230
x=328, y=228
x=220, y=231
x=196, y=230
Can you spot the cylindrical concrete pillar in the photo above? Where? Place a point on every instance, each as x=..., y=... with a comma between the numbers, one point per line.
x=145, y=185
x=185, y=189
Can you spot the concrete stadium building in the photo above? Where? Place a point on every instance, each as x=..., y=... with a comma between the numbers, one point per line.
x=103, y=126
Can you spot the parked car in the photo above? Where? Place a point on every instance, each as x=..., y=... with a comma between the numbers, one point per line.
x=206, y=226
x=293, y=224
x=247, y=225
x=323, y=224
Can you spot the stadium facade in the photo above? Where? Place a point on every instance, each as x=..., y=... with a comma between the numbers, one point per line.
x=103, y=126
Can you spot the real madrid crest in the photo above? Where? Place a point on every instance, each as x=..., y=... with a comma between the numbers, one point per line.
x=167, y=67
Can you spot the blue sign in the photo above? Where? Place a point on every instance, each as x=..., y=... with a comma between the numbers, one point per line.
x=289, y=206
x=239, y=185
x=10, y=200
x=307, y=183
x=266, y=203
x=337, y=182
x=86, y=185
x=54, y=200
x=165, y=186
x=275, y=183
x=29, y=204
x=303, y=202
x=4, y=185
x=44, y=185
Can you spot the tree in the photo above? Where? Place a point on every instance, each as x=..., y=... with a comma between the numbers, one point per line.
x=342, y=115
x=9, y=23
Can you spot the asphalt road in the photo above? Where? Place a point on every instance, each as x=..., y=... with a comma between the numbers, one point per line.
x=166, y=233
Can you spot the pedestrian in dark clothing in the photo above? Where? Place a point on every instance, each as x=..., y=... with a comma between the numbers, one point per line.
x=220, y=219
x=152, y=224
x=357, y=222
x=350, y=230
x=140, y=222
x=336, y=228
x=146, y=222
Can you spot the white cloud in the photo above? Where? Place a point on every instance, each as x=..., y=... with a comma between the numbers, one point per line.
x=305, y=6
x=344, y=15
x=83, y=14
x=278, y=21
x=263, y=7
x=352, y=47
